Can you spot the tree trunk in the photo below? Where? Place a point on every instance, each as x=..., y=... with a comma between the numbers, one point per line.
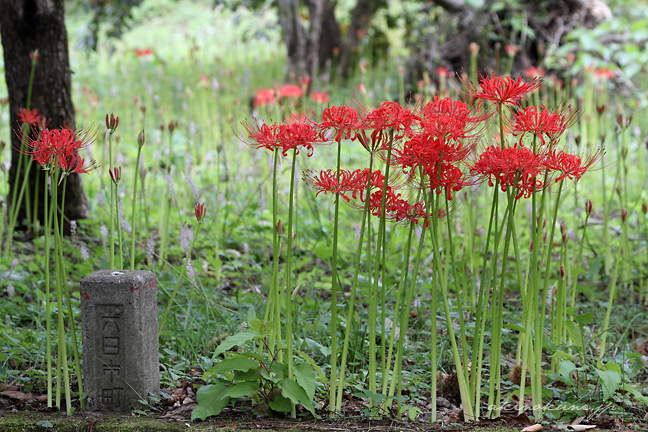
x=25, y=26
x=360, y=17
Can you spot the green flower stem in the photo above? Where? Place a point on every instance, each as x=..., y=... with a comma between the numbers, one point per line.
x=288, y=274
x=75, y=346
x=404, y=319
x=578, y=262
x=334, y=290
x=48, y=312
x=354, y=287
x=494, y=386
x=112, y=206
x=177, y=285
x=380, y=246
x=541, y=319
x=58, y=246
x=119, y=228
x=480, y=318
x=463, y=388
x=613, y=284
x=132, y=263
x=273, y=297
x=22, y=160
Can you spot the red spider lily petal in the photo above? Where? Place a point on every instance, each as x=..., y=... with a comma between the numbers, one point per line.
x=344, y=119
x=512, y=167
x=427, y=150
x=539, y=120
x=500, y=89
x=449, y=119
x=143, y=52
x=285, y=136
x=533, y=71
x=264, y=97
x=200, y=211
x=445, y=177
x=351, y=182
x=290, y=90
x=76, y=164
x=390, y=115
x=31, y=117
x=262, y=136
x=571, y=166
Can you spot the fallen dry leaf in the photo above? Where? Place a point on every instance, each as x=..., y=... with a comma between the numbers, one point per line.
x=580, y=427
x=19, y=395
x=533, y=428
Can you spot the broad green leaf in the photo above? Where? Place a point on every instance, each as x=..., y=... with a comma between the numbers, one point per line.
x=612, y=366
x=258, y=326
x=412, y=412
x=234, y=364
x=584, y=319
x=306, y=379
x=280, y=370
x=280, y=404
x=562, y=354
x=516, y=327
x=296, y=394
x=323, y=251
x=251, y=375
x=238, y=339
x=610, y=382
x=211, y=401
x=248, y=388
x=314, y=365
x=576, y=333
x=251, y=315
x=566, y=369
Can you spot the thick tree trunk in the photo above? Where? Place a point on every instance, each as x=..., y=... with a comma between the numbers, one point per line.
x=309, y=49
x=25, y=26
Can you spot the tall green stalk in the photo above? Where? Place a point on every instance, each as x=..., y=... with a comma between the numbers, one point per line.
x=140, y=143
x=334, y=289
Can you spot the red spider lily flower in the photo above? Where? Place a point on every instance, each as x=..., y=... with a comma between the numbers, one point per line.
x=351, y=182
x=320, y=97
x=304, y=81
x=200, y=211
x=285, y=136
x=143, y=52
x=74, y=163
x=264, y=97
x=571, y=166
x=500, y=89
x=511, y=50
x=538, y=120
x=513, y=167
x=60, y=145
x=344, y=119
x=390, y=115
x=604, y=73
x=532, y=72
x=31, y=117
x=442, y=71
x=290, y=90
x=449, y=119
x=427, y=150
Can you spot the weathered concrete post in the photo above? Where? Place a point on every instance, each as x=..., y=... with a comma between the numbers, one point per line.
x=120, y=339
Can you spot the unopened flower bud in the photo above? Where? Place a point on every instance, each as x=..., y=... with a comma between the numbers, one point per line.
x=115, y=174
x=624, y=152
x=172, y=125
x=562, y=227
x=33, y=56
x=544, y=237
x=562, y=271
x=618, y=191
x=474, y=48
x=112, y=122
x=200, y=211
x=531, y=246
x=644, y=208
x=577, y=139
x=280, y=228
x=588, y=207
x=565, y=238
x=624, y=214
x=544, y=223
x=601, y=109
x=141, y=138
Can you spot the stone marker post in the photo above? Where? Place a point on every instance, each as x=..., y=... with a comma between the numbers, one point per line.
x=120, y=339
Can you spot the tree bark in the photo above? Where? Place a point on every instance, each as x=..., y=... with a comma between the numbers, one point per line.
x=25, y=26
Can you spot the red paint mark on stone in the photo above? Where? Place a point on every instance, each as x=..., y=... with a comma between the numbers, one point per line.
x=84, y=295
x=152, y=284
